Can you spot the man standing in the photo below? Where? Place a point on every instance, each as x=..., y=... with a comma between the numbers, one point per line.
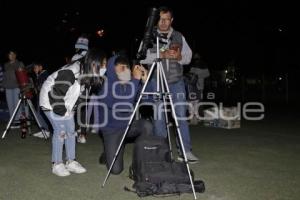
x=41, y=75
x=11, y=86
x=174, y=52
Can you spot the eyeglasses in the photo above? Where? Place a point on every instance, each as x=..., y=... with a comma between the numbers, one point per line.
x=165, y=19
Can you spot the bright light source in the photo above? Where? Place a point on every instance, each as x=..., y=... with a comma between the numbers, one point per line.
x=100, y=33
x=280, y=78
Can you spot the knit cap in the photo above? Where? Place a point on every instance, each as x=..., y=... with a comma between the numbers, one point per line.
x=82, y=43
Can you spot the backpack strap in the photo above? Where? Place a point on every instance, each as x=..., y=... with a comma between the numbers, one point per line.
x=127, y=189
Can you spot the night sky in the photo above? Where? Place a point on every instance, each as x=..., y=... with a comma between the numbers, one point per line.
x=257, y=35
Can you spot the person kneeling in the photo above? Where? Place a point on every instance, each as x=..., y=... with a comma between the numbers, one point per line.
x=123, y=88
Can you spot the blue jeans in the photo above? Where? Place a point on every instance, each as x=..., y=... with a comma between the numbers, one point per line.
x=63, y=133
x=12, y=98
x=177, y=91
x=92, y=109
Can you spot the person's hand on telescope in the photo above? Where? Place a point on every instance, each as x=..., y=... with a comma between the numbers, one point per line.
x=136, y=72
x=144, y=73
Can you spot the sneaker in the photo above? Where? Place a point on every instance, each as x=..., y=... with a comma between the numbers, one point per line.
x=75, y=167
x=60, y=170
x=190, y=157
x=15, y=125
x=81, y=139
x=93, y=131
x=41, y=135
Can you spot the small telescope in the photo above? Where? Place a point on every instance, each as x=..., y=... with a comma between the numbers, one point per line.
x=24, y=83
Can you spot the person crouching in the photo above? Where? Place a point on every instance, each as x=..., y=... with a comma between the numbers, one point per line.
x=58, y=98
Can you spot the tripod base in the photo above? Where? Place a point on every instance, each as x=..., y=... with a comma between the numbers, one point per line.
x=26, y=102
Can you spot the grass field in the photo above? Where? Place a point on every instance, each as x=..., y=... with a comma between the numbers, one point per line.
x=259, y=161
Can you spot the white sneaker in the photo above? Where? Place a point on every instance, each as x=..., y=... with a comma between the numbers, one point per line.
x=75, y=167
x=60, y=170
x=40, y=134
x=15, y=125
x=81, y=139
x=93, y=131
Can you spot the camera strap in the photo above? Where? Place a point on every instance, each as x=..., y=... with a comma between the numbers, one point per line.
x=166, y=40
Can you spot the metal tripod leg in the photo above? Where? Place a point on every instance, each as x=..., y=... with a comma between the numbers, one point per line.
x=36, y=119
x=177, y=127
x=166, y=114
x=12, y=118
x=26, y=114
x=87, y=118
x=86, y=111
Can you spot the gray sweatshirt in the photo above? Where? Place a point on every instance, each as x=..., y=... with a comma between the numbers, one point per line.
x=9, y=76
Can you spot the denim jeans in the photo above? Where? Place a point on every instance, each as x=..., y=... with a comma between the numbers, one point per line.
x=177, y=91
x=63, y=133
x=92, y=109
x=12, y=98
x=86, y=115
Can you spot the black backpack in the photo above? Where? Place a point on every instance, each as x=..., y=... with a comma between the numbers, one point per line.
x=153, y=171
x=148, y=149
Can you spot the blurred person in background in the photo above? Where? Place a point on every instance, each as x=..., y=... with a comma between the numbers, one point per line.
x=11, y=86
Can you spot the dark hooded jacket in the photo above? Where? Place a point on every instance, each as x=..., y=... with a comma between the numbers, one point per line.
x=117, y=100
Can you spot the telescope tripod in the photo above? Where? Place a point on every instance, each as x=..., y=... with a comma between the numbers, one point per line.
x=25, y=101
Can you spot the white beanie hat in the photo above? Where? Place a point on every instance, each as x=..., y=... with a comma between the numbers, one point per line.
x=82, y=43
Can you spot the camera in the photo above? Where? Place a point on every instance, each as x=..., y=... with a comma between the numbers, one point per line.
x=26, y=88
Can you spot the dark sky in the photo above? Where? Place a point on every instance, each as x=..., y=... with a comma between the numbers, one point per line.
x=257, y=35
